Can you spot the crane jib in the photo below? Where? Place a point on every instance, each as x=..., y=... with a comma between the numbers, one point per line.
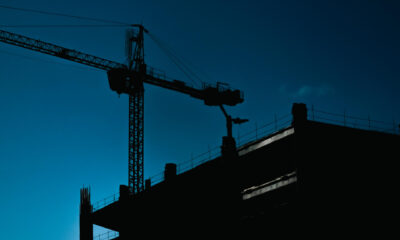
x=58, y=51
x=126, y=81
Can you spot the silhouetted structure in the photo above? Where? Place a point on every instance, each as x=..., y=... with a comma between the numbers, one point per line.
x=310, y=179
x=85, y=211
x=129, y=79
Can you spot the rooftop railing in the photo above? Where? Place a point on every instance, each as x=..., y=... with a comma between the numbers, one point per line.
x=212, y=153
x=277, y=124
x=105, y=201
x=347, y=120
x=259, y=132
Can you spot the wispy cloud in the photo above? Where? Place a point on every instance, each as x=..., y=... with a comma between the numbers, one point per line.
x=319, y=91
x=307, y=90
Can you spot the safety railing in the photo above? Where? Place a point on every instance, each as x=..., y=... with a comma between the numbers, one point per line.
x=156, y=73
x=160, y=74
x=347, y=120
x=195, y=161
x=260, y=131
x=264, y=130
x=277, y=124
x=106, y=235
x=106, y=201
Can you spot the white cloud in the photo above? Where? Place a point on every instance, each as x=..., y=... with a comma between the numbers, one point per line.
x=304, y=91
x=319, y=91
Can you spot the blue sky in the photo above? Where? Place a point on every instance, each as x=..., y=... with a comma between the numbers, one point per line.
x=61, y=127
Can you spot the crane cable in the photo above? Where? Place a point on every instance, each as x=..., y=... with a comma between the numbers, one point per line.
x=184, y=67
x=194, y=78
x=59, y=26
x=65, y=15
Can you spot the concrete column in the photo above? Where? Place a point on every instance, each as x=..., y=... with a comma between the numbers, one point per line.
x=299, y=113
x=170, y=171
x=85, y=216
x=228, y=149
x=302, y=152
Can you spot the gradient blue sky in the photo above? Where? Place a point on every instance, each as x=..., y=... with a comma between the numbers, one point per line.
x=61, y=127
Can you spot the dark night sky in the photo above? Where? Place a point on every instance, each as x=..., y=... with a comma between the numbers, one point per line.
x=61, y=127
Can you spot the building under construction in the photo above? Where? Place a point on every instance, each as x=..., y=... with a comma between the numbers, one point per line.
x=309, y=179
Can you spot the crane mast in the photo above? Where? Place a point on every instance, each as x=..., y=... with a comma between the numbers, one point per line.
x=129, y=79
x=136, y=117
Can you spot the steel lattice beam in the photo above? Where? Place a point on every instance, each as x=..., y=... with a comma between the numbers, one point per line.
x=136, y=113
x=57, y=51
x=136, y=108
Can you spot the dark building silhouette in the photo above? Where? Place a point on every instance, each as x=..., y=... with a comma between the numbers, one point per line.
x=310, y=179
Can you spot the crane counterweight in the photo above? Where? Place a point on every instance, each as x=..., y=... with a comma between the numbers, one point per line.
x=124, y=81
x=215, y=96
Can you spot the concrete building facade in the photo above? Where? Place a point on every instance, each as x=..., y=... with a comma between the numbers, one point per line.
x=310, y=179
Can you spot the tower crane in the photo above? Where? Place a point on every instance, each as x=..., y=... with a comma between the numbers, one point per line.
x=128, y=79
